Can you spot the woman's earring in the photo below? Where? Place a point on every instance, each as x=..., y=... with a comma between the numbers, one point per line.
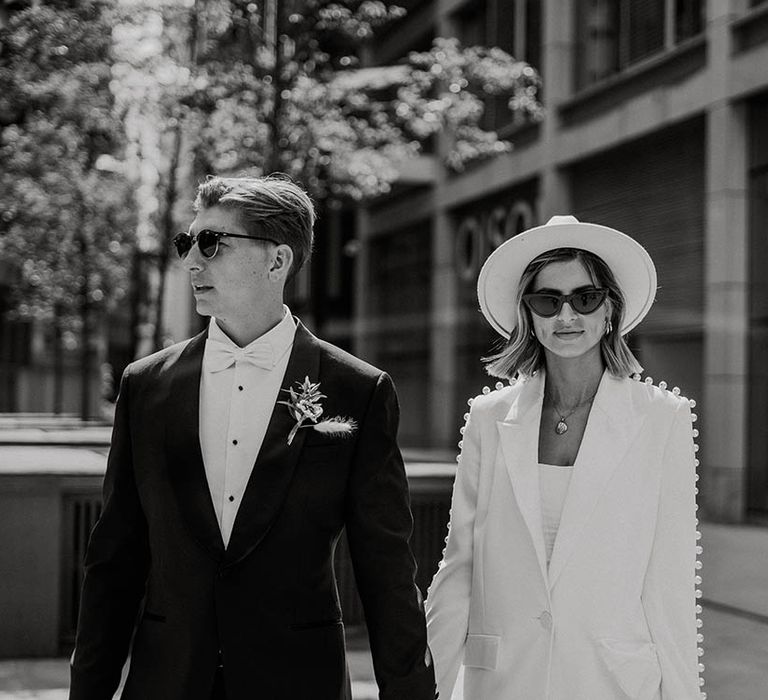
x=608, y=326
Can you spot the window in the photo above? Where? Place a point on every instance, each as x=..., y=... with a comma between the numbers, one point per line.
x=644, y=29
x=398, y=315
x=400, y=271
x=511, y=25
x=473, y=24
x=615, y=34
x=689, y=19
x=530, y=42
x=757, y=255
x=15, y=352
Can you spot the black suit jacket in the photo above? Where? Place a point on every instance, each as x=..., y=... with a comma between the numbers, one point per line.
x=157, y=569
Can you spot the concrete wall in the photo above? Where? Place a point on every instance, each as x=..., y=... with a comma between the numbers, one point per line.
x=32, y=550
x=40, y=569
x=29, y=570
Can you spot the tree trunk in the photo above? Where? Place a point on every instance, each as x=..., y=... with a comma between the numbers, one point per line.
x=85, y=357
x=135, y=301
x=167, y=231
x=58, y=362
x=85, y=329
x=276, y=13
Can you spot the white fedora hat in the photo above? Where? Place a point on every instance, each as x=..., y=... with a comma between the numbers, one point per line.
x=630, y=263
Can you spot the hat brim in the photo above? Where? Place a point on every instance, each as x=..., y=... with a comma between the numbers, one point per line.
x=630, y=263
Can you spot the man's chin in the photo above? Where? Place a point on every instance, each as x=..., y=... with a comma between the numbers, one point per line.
x=202, y=308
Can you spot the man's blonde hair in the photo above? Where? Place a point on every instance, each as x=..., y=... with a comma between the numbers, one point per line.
x=272, y=206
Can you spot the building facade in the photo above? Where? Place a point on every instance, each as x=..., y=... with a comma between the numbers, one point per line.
x=656, y=124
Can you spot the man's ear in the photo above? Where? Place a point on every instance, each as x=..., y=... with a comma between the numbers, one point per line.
x=282, y=260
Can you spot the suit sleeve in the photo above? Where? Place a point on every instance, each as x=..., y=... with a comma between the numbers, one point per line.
x=379, y=525
x=669, y=586
x=116, y=566
x=449, y=594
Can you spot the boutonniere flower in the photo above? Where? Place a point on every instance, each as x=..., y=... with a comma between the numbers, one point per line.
x=304, y=405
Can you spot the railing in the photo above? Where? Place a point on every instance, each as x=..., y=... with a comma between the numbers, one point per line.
x=79, y=514
x=430, y=517
x=430, y=500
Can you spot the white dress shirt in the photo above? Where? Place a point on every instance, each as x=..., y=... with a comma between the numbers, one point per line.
x=553, y=481
x=236, y=403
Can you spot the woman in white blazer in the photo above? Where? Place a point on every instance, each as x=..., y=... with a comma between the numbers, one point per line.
x=570, y=567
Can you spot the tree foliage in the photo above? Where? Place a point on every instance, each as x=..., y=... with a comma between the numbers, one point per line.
x=299, y=102
x=110, y=108
x=63, y=221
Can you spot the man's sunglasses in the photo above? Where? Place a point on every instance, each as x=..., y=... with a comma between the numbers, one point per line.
x=547, y=304
x=207, y=241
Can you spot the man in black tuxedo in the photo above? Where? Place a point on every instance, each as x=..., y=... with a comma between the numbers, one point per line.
x=237, y=458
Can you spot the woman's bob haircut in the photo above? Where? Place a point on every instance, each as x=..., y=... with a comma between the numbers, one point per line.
x=522, y=354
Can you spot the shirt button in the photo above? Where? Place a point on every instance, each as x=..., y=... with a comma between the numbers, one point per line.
x=231, y=498
x=240, y=388
x=234, y=442
x=546, y=620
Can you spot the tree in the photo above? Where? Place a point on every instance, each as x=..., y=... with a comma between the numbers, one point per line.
x=282, y=90
x=154, y=49
x=108, y=107
x=63, y=220
x=277, y=85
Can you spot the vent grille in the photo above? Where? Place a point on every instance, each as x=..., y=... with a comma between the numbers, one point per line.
x=80, y=513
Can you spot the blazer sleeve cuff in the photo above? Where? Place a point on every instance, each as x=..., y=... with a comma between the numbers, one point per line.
x=419, y=685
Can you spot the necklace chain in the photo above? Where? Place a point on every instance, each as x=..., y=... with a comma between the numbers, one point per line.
x=562, y=427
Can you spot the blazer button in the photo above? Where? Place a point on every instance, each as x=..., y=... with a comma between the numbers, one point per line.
x=546, y=620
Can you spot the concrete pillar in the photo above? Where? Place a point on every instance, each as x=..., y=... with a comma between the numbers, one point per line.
x=726, y=294
x=361, y=341
x=442, y=401
x=554, y=195
x=557, y=80
x=177, y=313
x=443, y=398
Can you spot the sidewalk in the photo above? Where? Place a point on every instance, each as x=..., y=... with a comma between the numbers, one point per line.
x=48, y=679
x=735, y=588
x=735, y=602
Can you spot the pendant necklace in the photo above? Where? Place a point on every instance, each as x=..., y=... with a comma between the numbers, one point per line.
x=562, y=426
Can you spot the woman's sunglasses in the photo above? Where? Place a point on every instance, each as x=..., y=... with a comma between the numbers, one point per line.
x=207, y=241
x=547, y=304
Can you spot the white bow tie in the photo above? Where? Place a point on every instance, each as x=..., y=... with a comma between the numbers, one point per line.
x=219, y=356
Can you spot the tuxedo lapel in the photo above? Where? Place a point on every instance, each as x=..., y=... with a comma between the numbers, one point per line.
x=276, y=461
x=611, y=426
x=518, y=435
x=186, y=469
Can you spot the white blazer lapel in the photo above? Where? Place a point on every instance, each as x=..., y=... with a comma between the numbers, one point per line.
x=610, y=428
x=519, y=439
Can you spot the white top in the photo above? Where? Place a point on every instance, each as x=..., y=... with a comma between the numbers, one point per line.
x=236, y=403
x=553, y=482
